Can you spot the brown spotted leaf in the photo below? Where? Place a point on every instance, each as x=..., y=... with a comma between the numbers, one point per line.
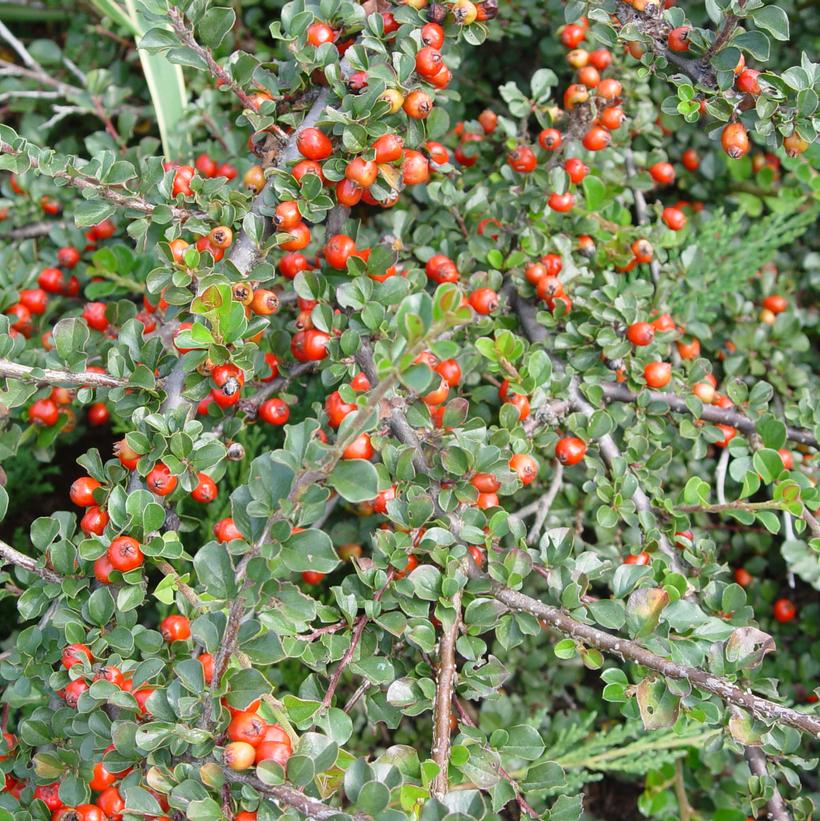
x=747, y=646
x=658, y=707
x=745, y=729
x=643, y=610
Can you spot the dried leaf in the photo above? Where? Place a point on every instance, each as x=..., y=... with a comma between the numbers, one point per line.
x=747, y=646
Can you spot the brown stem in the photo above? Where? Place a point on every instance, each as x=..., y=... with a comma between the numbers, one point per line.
x=725, y=416
x=250, y=404
x=11, y=556
x=167, y=569
x=632, y=651
x=756, y=759
x=354, y=699
x=467, y=719
x=684, y=807
x=186, y=37
x=48, y=376
x=726, y=31
x=750, y=507
x=285, y=794
x=545, y=503
x=657, y=30
x=445, y=687
x=640, y=211
x=336, y=677
x=304, y=478
x=84, y=182
x=35, y=229
x=245, y=252
x=107, y=122
x=610, y=452
x=811, y=521
x=358, y=631
x=399, y=425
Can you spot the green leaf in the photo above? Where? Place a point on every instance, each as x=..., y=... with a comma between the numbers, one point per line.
x=768, y=464
x=355, y=480
x=70, y=337
x=100, y=606
x=90, y=212
x=214, y=25
x=608, y=613
x=774, y=20
x=594, y=193
x=310, y=550
x=215, y=570
x=524, y=742
x=755, y=43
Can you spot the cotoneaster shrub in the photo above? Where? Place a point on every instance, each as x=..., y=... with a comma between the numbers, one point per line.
x=408, y=411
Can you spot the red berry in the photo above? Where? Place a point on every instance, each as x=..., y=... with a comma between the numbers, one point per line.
x=784, y=610
x=51, y=280
x=94, y=521
x=160, y=480
x=663, y=173
x=640, y=333
x=674, y=218
x=175, y=628
x=68, y=257
x=125, y=554
x=484, y=301
x=226, y=531
x=550, y=139
x=205, y=491
x=94, y=315
x=657, y=374
x=98, y=414
x=44, y=412
x=525, y=466
x=75, y=654
x=274, y=411
x=313, y=144
x=82, y=491
x=570, y=450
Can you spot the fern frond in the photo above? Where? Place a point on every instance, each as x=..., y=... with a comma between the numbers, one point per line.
x=729, y=250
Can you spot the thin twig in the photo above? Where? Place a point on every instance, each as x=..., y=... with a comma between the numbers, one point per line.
x=756, y=759
x=467, y=719
x=85, y=182
x=355, y=638
x=811, y=521
x=750, y=507
x=290, y=796
x=445, y=687
x=545, y=503
x=610, y=452
x=186, y=36
x=684, y=807
x=632, y=651
x=11, y=556
x=358, y=693
x=657, y=30
x=167, y=570
x=730, y=21
x=35, y=229
x=720, y=476
x=640, y=211
x=710, y=413
x=336, y=676
x=49, y=376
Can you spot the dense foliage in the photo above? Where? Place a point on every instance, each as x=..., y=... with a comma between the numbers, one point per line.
x=408, y=411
